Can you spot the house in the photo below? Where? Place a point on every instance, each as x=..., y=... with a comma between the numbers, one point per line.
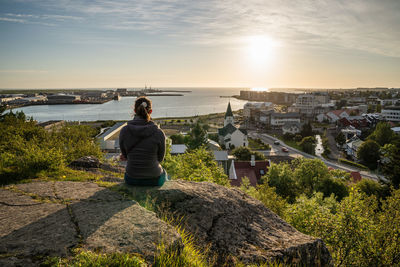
x=291, y=127
x=396, y=130
x=358, y=122
x=109, y=139
x=253, y=170
x=279, y=119
x=352, y=146
x=212, y=145
x=231, y=136
x=391, y=113
x=223, y=159
x=177, y=149
x=52, y=125
x=355, y=177
x=350, y=131
x=335, y=115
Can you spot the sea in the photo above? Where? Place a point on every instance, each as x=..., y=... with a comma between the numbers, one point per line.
x=199, y=101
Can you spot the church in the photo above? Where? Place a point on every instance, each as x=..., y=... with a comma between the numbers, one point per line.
x=230, y=136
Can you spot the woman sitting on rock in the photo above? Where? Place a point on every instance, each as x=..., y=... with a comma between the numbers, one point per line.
x=142, y=144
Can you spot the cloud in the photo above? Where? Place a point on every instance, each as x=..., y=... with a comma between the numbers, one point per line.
x=25, y=71
x=363, y=25
x=43, y=19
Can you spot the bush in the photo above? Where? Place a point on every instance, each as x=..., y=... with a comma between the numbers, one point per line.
x=288, y=136
x=27, y=149
x=308, y=144
x=197, y=165
x=245, y=153
x=352, y=163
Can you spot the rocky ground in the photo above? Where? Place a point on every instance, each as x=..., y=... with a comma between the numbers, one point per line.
x=42, y=219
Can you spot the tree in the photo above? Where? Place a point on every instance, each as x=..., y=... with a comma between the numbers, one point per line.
x=378, y=108
x=382, y=134
x=197, y=137
x=391, y=163
x=306, y=130
x=281, y=177
x=308, y=144
x=244, y=153
x=2, y=109
x=368, y=153
x=177, y=139
x=196, y=165
x=340, y=139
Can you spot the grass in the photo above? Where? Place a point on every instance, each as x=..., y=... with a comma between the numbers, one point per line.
x=290, y=143
x=258, y=144
x=92, y=259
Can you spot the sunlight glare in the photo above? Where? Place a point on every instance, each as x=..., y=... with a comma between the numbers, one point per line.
x=260, y=49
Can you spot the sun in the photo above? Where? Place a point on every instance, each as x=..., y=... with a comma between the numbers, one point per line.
x=260, y=48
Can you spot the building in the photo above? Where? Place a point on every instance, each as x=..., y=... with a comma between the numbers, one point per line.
x=396, y=130
x=280, y=98
x=230, y=136
x=62, y=98
x=94, y=95
x=109, y=139
x=250, y=109
x=291, y=127
x=350, y=131
x=52, y=125
x=177, y=149
x=333, y=115
x=310, y=105
x=280, y=119
x=223, y=159
x=253, y=170
x=358, y=122
x=391, y=113
x=352, y=146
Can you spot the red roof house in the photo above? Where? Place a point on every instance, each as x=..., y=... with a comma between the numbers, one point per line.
x=253, y=170
x=355, y=176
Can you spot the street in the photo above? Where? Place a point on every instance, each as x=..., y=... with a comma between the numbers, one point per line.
x=276, y=150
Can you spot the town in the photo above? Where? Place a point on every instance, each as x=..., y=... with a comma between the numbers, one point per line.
x=331, y=126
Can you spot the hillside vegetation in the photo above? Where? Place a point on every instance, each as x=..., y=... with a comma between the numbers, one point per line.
x=360, y=223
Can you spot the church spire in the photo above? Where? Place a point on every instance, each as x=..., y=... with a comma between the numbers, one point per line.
x=228, y=112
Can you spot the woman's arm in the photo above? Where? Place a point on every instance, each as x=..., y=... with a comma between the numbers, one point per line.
x=161, y=147
x=123, y=155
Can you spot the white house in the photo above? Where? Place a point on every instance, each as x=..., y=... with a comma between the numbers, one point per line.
x=229, y=135
x=291, y=127
x=177, y=149
x=109, y=139
x=333, y=116
x=279, y=119
x=352, y=146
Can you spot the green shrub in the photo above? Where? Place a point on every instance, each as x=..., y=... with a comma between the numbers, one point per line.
x=352, y=163
x=27, y=149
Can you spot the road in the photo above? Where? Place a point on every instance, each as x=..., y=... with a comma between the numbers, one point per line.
x=276, y=150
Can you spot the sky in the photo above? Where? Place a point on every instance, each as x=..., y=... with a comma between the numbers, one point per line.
x=208, y=43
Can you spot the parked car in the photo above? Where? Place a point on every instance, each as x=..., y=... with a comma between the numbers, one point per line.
x=277, y=143
x=284, y=149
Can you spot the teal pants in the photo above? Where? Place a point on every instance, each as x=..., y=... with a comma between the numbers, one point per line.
x=157, y=181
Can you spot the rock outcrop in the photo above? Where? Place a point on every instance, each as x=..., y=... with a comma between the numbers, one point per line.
x=93, y=164
x=51, y=218
x=234, y=224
